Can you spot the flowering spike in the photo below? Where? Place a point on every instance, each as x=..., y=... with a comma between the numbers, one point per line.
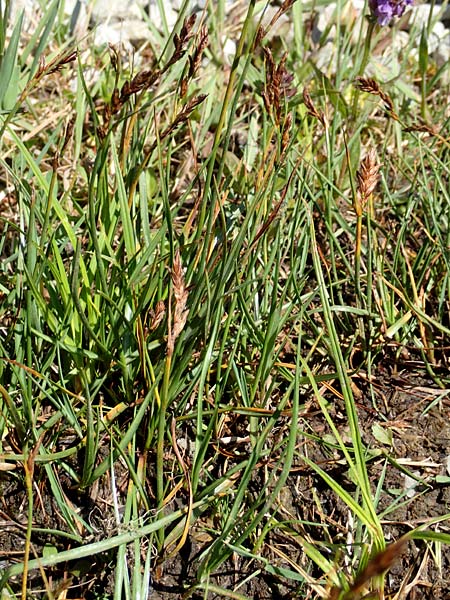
x=385, y=10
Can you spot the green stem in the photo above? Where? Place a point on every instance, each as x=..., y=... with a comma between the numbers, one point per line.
x=222, y=117
x=364, y=62
x=28, y=467
x=160, y=443
x=358, y=242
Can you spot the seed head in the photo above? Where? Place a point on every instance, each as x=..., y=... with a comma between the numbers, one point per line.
x=367, y=176
x=181, y=296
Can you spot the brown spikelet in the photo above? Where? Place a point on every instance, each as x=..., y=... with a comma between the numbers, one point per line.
x=370, y=86
x=312, y=110
x=186, y=31
x=421, y=127
x=60, y=61
x=261, y=32
x=179, y=119
x=388, y=105
x=183, y=87
x=157, y=315
x=286, y=131
x=274, y=213
x=114, y=57
x=183, y=115
x=278, y=86
x=367, y=176
x=116, y=102
x=268, y=94
x=56, y=64
x=285, y=6
x=142, y=81
x=181, y=295
x=180, y=41
x=380, y=563
x=195, y=59
x=68, y=133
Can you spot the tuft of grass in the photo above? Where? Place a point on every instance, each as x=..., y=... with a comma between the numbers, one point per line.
x=206, y=269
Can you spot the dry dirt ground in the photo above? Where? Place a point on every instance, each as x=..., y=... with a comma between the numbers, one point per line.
x=409, y=408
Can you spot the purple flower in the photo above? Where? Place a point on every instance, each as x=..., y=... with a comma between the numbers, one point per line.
x=385, y=10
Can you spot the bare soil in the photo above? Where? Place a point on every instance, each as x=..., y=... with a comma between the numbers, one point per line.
x=409, y=409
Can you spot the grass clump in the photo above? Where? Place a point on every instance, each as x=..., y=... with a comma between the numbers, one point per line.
x=224, y=299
